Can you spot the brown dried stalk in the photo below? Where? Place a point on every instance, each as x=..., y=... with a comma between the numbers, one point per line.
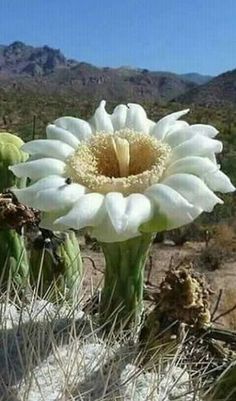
x=15, y=215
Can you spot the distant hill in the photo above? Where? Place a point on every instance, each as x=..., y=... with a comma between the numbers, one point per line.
x=198, y=79
x=21, y=59
x=44, y=69
x=221, y=90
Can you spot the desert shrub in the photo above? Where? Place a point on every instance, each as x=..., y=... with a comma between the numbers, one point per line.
x=191, y=232
x=224, y=237
x=211, y=258
x=221, y=246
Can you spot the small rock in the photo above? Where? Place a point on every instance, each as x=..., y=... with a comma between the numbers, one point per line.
x=169, y=242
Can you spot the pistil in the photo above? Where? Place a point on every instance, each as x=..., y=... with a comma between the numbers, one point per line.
x=122, y=151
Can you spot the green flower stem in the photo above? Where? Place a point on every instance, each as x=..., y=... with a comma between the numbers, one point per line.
x=13, y=259
x=122, y=295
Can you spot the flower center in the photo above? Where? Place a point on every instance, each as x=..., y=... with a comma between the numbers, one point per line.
x=126, y=161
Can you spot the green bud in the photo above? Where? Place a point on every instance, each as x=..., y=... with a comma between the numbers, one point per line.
x=10, y=154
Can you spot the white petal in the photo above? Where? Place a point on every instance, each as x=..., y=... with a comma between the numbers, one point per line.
x=54, y=132
x=206, y=130
x=128, y=213
x=118, y=117
x=137, y=118
x=192, y=165
x=39, y=168
x=87, y=212
x=178, y=125
x=197, y=146
x=28, y=195
x=166, y=123
x=79, y=128
x=115, y=204
x=151, y=125
x=48, y=147
x=218, y=181
x=101, y=120
x=169, y=203
x=194, y=190
x=58, y=198
x=105, y=232
x=138, y=211
x=51, y=181
x=25, y=196
x=176, y=137
x=212, y=157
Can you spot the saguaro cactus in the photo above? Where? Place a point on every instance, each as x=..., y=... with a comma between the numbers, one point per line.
x=13, y=257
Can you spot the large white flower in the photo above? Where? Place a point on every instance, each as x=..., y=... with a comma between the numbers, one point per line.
x=122, y=174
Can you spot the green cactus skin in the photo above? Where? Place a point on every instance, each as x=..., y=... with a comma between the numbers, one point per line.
x=13, y=256
x=57, y=273
x=122, y=294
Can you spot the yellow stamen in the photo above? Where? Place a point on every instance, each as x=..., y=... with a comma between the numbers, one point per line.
x=126, y=162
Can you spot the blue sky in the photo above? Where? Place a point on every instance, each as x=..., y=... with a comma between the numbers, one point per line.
x=174, y=35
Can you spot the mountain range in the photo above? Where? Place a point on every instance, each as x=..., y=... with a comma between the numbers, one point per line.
x=47, y=70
